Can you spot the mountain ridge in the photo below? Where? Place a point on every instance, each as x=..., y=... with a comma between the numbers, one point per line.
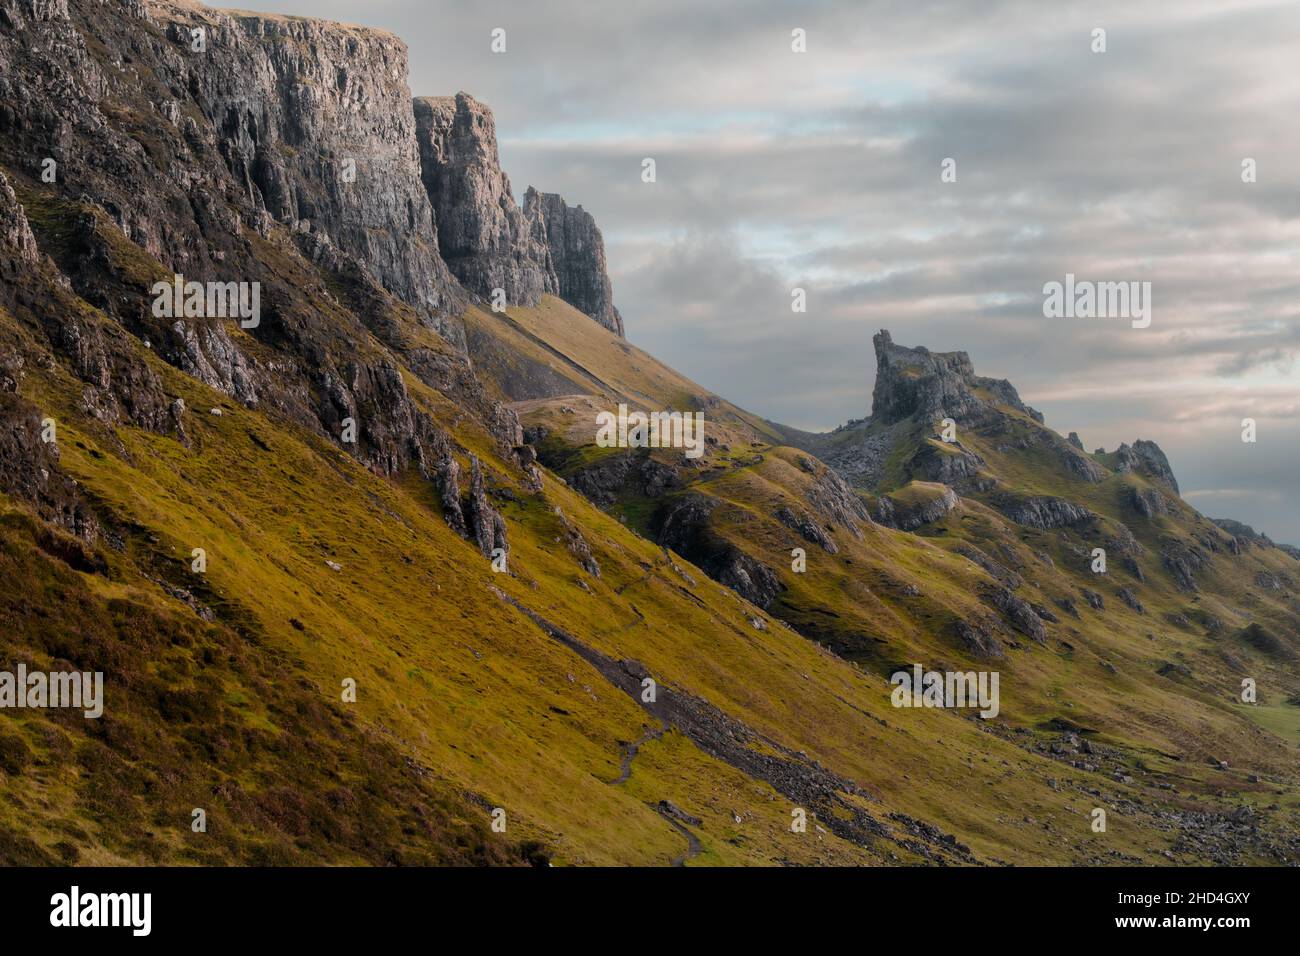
x=391, y=484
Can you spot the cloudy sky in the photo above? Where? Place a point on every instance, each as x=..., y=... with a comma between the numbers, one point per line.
x=821, y=170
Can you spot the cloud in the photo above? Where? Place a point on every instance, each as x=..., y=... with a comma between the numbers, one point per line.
x=821, y=170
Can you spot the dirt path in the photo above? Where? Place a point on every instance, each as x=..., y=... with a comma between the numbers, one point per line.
x=630, y=752
x=692, y=842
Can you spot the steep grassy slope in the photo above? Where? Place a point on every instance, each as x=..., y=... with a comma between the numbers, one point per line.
x=1156, y=691
x=465, y=693
x=604, y=691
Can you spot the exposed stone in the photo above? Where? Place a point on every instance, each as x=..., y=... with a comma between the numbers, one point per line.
x=16, y=240
x=1131, y=599
x=932, y=385
x=1018, y=612
x=484, y=237
x=977, y=638
x=1147, y=501
x=1146, y=458
x=1182, y=563
x=578, y=545
x=911, y=511
x=577, y=255
x=486, y=526
x=1043, y=511
x=809, y=529
x=832, y=498
x=683, y=525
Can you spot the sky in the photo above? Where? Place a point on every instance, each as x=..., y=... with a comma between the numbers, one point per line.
x=821, y=170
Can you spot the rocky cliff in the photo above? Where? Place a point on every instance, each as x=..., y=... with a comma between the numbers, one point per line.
x=485, y=238
x=488, y=241
x=933, y=385
x=578, y=254
x=306, y=123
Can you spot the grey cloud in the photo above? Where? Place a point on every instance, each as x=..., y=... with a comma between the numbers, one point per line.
x=822, y=170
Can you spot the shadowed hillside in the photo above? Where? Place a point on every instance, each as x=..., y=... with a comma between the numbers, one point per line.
x=361, y=583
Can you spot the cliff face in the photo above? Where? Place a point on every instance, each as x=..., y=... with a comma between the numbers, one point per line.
x=314, y=120
x=487, y=240
x=578, y=253
x=311, y=121
x=933, y=385
x=483, y=235
x=302, y=122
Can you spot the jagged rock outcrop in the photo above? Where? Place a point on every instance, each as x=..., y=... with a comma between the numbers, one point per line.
x=29, y=466
x=1182, y=562
x=1042, y=511
x=683, y=525
x=1244, y=537
x=484, y=236
x=978, y=638
x=578, y=256
x=1147, y=458
x=487, y=240
x=1148, y=502
x=577, y=545
x=1129, y=598
x=1077, y=463
x=486, y=526
x=748, y=577
x=1075, y=440
x=920, y=505
x=803, y=523
x=832, y=498
x=933, y=385
x=1018, y=612
x=208, y=354
x=17, y=244
x=446, y=476
x=634, y=471
x=949, y=464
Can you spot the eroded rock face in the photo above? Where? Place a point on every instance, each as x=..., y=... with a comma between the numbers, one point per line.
x=1019, y=613
x=952, y=465
x=578, y=255
x=316, y=120
x=910, y=513
x=633, y=471
x=683, y=525
x=1147, y=502
x=832, y=498
x=803, y=523
x=978, y=638
x=483, y=235
x=486, y=526
x=488, y=241
x=933, y=385
x=17, y=244
x=1182, y=563
x=1147, y=458
x=1043, y=511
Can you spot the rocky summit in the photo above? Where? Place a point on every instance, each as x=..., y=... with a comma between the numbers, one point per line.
x=364, y=587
